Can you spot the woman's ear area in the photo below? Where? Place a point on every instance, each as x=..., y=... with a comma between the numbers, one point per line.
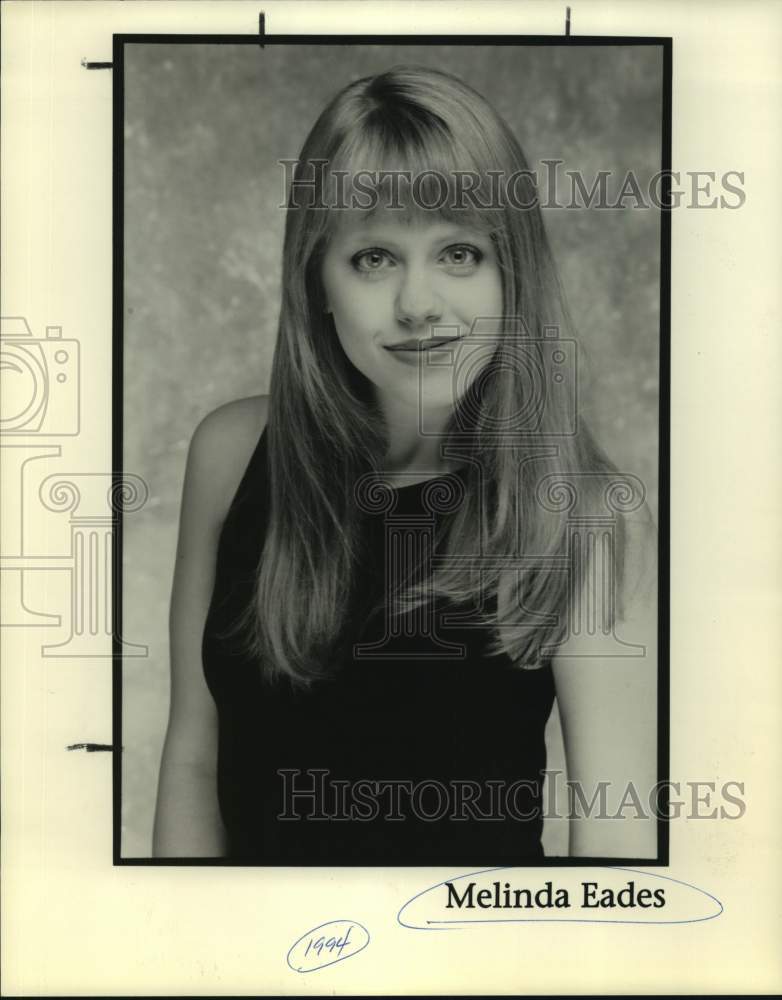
x=322, y=291
x=321, y=295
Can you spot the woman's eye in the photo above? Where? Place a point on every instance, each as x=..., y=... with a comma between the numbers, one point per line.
x=462, y=256
x=370, y=260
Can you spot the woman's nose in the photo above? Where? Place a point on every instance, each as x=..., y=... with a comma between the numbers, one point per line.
x=417, y=301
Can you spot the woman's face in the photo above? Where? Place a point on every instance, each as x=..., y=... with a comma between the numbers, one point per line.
x=392, y=283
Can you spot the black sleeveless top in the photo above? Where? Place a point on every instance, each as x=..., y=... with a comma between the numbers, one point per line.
x=419, y=749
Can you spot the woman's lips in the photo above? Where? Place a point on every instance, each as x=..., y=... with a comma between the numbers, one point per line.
x=423, y=344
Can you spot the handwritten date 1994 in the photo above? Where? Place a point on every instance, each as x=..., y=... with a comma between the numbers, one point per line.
x=327, y=944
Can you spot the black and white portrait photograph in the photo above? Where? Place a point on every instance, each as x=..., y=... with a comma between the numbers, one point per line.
x=392, y=328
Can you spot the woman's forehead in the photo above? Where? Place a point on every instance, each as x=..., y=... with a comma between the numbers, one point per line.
x=384, y=221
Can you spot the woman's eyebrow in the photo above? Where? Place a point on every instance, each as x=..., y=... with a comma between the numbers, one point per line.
x=379, y=234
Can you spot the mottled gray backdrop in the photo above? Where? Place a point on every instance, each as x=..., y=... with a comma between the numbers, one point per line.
x=204, y=128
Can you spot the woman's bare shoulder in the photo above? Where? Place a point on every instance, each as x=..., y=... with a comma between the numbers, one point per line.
x=221, y=448
x=233, y=427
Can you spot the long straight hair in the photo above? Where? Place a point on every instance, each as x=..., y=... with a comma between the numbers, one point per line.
x=326, y=434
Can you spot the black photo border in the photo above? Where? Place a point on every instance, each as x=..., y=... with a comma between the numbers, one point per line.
x=118, y=236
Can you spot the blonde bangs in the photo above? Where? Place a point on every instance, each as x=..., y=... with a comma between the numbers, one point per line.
x=429, y=177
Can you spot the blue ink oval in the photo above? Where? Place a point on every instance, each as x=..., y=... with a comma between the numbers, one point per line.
x=327, y=944
x=693, y=891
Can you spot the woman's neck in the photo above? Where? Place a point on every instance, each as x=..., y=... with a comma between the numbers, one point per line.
x=411, y=447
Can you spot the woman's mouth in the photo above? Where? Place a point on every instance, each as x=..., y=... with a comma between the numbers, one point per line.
x=420, y=344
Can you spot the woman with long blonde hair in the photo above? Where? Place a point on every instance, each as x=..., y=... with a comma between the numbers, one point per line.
x=389, y=567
